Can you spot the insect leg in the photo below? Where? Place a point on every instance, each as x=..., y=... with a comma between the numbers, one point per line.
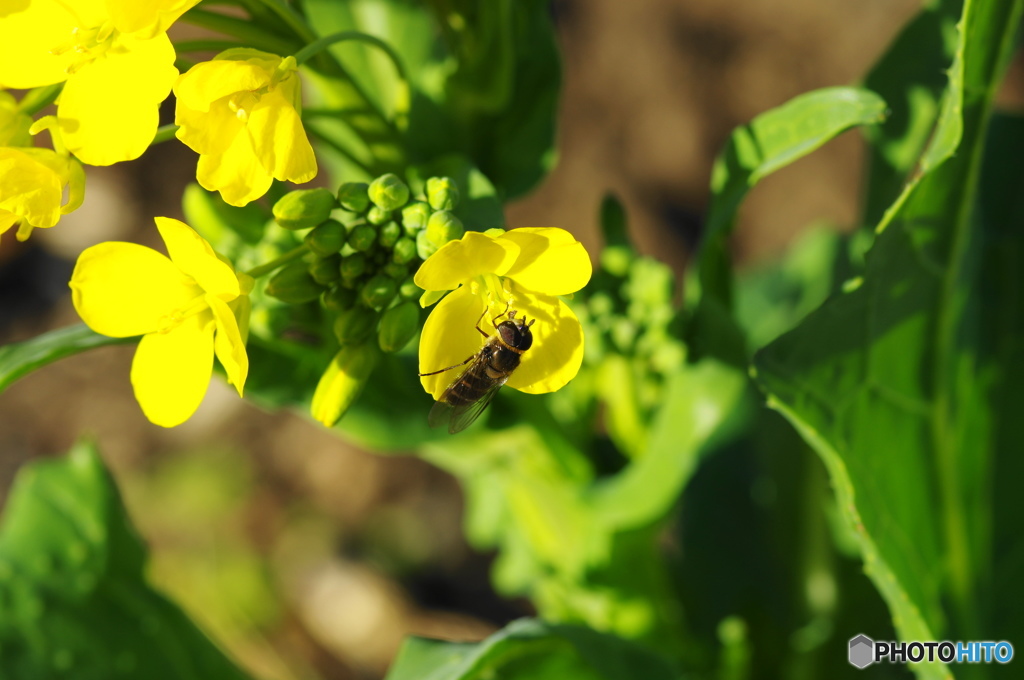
x=482, y=331
x=423, y=375
x=494, y=321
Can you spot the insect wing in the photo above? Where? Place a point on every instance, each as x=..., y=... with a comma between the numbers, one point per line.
x=462, y=416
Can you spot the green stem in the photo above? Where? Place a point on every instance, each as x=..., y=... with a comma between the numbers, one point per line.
x=323, y=43
x=267, y=267
x=39, y=98
x=244, y=30
x=164, y=133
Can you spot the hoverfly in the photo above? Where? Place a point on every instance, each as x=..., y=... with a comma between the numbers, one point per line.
x=470, y=393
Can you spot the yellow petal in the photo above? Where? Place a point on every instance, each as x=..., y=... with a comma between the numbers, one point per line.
x=29, y=188
x=207, y=132
x=171, y=371
x=237, y=173
x=278, y=136
x=228, y=343
x=29, y=36
x=147, y=18
x=557, y=351
x=458, y=261
x=209, y=81
x=108, y=111
x=449, y=337
x=551, y=260
x=124, y=289
x=193, y=255
x=7, y=220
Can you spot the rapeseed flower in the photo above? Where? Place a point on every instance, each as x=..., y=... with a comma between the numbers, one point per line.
x=188, y=308
x=32, y=181
x=114, y=58
x=523, y=270
x=240, y=112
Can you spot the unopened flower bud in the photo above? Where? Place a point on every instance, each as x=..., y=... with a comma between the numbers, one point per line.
x=389, y=235
x=442, y=193
x=405, y=250
x=354, y=325
x=378, y=216
x=395, y=270
x=293, y=284
x=424, y=246
x=327, y=238
x=342, y=382
x=443, y=227
x=337, y=298
x=389, y=192
x=353, y=266
x=353, y=196
x=324, y=270
x=409, y=290
x=378, y=291
x=304, y=208
x=398, y=325
x=362, y=237
x=415, y=217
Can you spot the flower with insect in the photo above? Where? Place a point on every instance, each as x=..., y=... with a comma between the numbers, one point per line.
x=188, y=308
x=522, y=269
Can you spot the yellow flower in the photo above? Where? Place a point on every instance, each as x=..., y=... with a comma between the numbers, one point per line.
x=115, y=57
x=240, y=112
x=188, y=308
x=32, y=183
x=524, y=268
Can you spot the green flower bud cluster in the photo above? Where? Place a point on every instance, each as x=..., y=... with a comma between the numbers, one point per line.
x=365, y=243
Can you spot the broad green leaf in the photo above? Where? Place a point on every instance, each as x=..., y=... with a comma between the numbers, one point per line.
x=888, y=383
x=21, y=358
x=533, y=650
x=911, y=77
x=1000, y=296
x=74, y=602
x=771, y=141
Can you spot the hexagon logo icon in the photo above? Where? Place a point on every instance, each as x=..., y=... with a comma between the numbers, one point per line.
x=862, y=651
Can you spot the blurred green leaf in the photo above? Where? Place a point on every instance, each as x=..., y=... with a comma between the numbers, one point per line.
x=889, y=381
x=911, y=77
x=226, y=227
x=699, y=398
x=530, y=649
x=771, y=141
x=73, y=599
x=18, y=359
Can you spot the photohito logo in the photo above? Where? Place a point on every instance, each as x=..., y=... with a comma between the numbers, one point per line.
x=864, y=651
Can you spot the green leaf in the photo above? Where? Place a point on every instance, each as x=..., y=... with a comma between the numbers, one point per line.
x=73, y=599
x=21, y=358
x=699, y=398
x=530, y=649
x=911, y=77
x=890, y=383
x=771, y=141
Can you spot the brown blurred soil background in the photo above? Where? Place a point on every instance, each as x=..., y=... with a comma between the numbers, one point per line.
x=309, y=558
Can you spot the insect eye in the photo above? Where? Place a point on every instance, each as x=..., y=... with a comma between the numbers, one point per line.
x=509, y=334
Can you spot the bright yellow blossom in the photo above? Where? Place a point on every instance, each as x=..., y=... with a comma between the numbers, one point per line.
x=114, y=58
x=32, y=183
x=240, y=112
x=525, y=269
x=189, y=308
